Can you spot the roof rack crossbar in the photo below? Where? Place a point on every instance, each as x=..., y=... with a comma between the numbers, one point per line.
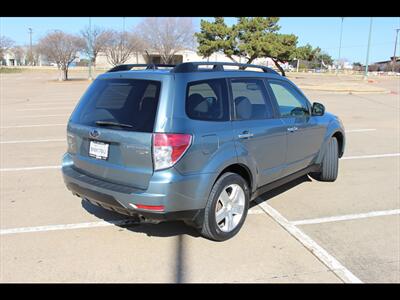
x=217, y=66
x=189, y=67
x=128, y=67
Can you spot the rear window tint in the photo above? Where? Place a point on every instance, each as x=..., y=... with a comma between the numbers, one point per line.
x=131, y=102
x=207, y=100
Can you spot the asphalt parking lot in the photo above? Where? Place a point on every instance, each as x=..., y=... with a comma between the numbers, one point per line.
x=305, y=231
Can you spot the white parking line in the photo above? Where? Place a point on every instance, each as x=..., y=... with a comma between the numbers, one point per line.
x=360, y=130
x=47, y=103
x=45, y=108
x=32, y=141
x=42, y=116
x=54, y=167
x=371, y=156
x=61, y=140
x=332, y=264
x=347, y=217
x=29, y=168
x=66, y=226
x=33, y=125
x=83, y=225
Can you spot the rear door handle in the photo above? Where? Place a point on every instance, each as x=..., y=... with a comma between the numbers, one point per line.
x=245, y=135
x=292, y=129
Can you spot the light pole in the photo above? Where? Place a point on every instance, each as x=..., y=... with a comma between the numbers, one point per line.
x=123, y=31
x=30, y=46
x=369, y=43
x=90, y=49
x=340, y=45
x=394, y=54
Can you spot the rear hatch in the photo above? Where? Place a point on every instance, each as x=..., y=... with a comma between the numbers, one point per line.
x=110, y=131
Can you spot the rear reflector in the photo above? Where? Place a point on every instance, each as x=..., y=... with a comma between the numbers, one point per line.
x=151, y=207
x=168, y=148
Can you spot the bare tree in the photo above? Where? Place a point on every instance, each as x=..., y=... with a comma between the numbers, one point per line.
x=5, y=44
x=61, y=48
x=167, y=36
x=96, y=41
x=32, y=57
x=121, y=46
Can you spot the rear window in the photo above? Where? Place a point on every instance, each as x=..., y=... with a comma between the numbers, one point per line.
x=207, y=100
x=131, y=102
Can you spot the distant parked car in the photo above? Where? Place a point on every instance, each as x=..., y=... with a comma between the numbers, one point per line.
x=195, y=144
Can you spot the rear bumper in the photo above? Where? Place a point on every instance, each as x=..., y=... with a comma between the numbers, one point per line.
x=183, y=197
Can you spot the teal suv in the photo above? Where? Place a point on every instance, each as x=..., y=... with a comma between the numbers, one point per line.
x=195, y=142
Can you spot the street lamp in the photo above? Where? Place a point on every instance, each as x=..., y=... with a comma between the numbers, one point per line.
x=340, y=45
x=394, y=54
x=369, y=43
x=30, y=46
x=90, y=49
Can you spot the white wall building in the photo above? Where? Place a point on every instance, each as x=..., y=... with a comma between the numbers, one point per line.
x=184, y=56
x=11, y=60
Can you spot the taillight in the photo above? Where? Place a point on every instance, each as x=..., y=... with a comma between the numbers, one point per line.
x=168, y=148
x=71, y=142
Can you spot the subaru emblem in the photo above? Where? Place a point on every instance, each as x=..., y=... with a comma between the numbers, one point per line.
x=94, y=133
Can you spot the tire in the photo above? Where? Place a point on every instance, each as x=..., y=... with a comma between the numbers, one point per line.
x=330, y=163
x=228, y=227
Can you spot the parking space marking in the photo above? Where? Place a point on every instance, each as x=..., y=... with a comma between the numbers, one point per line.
x=55, y=167
x=29, y=168
x=67, y=226
x=32, y=125
x=42, y=116
x=328, y=260
x=84, y=225
x=360, y=130
x=45, y=108
x=47, y=103
x=60, y=140
x=347, y=217
x=371, y=156
x=32, y=141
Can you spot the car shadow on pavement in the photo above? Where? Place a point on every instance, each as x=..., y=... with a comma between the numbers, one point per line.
x=163, y=229
x=179, y=229
x=279, y=190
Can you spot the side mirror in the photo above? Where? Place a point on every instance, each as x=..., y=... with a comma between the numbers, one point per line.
x=318, y=109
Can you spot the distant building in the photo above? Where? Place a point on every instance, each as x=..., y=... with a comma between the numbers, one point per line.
x=10, y=59
x=13, y=59
x=183, y=56
x=386, y=64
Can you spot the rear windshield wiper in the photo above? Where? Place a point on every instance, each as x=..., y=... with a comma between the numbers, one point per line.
x=108, y=123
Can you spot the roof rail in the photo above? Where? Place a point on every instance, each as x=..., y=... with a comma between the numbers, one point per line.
x=148, y=67
x=217, y=66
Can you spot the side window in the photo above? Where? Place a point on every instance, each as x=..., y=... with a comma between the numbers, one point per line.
x=207, y=100
x=291, y=103
x=250, y=99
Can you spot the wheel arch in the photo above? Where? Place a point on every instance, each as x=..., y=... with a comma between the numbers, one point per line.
x=241, y=170
x=340, y=138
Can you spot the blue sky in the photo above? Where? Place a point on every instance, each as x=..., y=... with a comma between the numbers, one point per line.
x=318, y=31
